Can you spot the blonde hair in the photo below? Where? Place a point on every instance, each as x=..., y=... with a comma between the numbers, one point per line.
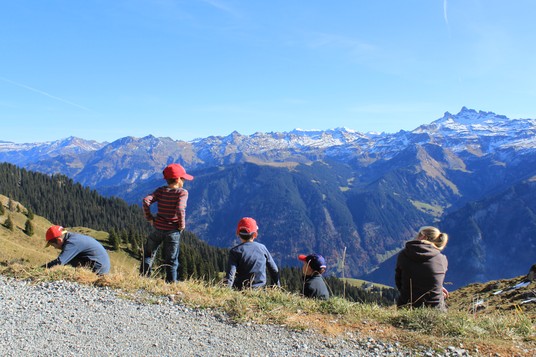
x=175, y=181
x=433, y=236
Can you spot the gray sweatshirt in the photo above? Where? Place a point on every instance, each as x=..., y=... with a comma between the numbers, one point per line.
x=419, y=275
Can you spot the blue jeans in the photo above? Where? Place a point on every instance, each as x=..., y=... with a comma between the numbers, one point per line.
x=171, y=240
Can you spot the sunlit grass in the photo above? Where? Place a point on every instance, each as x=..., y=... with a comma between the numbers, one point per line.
x=276, y=306
x=21, y=257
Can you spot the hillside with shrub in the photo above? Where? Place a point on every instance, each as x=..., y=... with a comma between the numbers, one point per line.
x=479, y=321
x=328, y=191
x=122, y=228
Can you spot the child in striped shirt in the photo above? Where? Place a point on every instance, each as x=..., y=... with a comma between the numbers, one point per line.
x=168, y=223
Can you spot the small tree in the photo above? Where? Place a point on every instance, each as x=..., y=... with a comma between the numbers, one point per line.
x=30, y=214
x=9, y=223
x=114, y=239
x=124, y=236
x=11, y=205
x=134, y=242
x=28, y=228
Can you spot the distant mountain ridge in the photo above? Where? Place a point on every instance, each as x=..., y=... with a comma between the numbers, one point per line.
x=469, y=130
x=322, y=190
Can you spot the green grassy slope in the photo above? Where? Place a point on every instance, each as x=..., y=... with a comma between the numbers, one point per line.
x=17, y=246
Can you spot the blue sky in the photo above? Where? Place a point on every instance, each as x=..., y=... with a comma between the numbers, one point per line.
x=103, y=70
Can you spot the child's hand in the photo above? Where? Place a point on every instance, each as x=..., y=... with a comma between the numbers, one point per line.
x=445, y=292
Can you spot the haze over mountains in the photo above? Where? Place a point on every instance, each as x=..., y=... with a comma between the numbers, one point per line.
x=473, y=174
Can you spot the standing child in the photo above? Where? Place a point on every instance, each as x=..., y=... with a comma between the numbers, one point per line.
x=168, y=223
x=248, y=260
x=314, y=265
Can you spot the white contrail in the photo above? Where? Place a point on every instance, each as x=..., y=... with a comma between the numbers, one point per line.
x=445, y=12
x=44, y=93
x=221, y=6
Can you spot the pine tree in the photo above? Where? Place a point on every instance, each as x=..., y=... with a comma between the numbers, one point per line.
x=135, y=242
x=30, y=214
x=113, y=239
x=124, y=236
x=28, y=228
x=9, y=223
x=183, y=267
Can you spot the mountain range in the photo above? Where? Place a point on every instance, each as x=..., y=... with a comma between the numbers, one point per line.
x=353, y=197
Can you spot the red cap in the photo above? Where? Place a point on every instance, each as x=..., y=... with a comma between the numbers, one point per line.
x=247, y=225
x=54, y=232
x=174, y=171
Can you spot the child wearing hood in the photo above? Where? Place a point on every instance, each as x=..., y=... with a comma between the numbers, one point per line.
x=420, y=270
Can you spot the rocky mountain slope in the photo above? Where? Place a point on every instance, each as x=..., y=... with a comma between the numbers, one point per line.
x=354, y=197
x=489, y=239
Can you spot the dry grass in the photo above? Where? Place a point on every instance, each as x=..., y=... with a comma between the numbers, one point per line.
x=505, y=332
x=16, y=246
x=495, y=297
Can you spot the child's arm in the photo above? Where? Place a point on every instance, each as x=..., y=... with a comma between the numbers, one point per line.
x=398, y=274
x=272, y=268
x=69, y=251
x=52, y=263
x=231, y=271
x=146, y=204
x=181, y=209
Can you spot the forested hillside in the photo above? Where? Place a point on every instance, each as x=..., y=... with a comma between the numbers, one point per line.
x=65, y=202
x=69, y=204
x=333, y=192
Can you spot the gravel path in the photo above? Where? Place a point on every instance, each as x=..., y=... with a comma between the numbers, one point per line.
x=67, y=319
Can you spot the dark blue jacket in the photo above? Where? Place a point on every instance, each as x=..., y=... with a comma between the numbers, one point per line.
x=315, y=287
x=80, y=250
x=247, y=266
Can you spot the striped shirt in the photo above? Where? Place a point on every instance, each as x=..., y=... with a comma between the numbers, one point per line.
x=171, y=208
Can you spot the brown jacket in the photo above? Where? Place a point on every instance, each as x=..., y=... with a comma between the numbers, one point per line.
x=419, y=275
